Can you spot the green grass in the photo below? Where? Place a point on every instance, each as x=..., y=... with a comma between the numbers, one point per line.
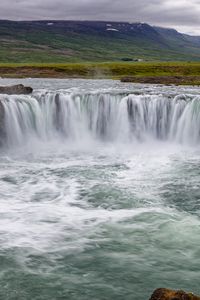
x=50, y=47
x=22, y=42
x=113, y=70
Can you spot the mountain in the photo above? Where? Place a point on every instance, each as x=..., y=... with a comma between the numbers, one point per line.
x=188, y=44
x=78, y=41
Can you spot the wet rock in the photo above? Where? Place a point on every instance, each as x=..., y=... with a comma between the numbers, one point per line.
x=18, y=89
x=166, y=80
x=2, y=125
x=166, y=294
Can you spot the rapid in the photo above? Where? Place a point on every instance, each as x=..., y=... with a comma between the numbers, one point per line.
x=99, y=190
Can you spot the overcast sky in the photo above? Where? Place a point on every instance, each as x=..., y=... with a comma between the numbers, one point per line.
x=183, y=15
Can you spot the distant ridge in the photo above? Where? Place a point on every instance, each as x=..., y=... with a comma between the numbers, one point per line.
x=98, y=41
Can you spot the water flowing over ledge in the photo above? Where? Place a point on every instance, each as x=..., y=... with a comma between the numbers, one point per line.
x=101, y=116
x=99, y=196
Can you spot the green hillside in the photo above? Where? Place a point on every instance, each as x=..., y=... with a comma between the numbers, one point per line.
x=76, y=41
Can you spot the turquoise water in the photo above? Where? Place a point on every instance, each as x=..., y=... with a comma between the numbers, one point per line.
x=98, y=219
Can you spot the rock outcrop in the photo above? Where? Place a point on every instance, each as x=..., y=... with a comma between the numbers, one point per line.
x=2, y=127
x=18, y=89
x=167, y=80
x=166, y=294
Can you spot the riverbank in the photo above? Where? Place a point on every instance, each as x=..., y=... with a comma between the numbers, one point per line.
x=141, y=72
x=167, y=80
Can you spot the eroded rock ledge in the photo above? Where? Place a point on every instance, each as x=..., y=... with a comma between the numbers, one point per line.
x=166, y=294
x=18, y=89
x=167, y=80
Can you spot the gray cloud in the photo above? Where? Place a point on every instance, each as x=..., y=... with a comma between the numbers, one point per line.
x=179, y=14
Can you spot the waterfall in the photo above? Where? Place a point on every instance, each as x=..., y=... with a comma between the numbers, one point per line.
x=102, y=116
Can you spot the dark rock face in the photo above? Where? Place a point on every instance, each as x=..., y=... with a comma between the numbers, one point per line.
x=2, y=125
x=18, y=89
x=167, y=80
x=166, y=294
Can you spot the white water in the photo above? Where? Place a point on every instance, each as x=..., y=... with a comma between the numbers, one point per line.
x=99, y=191
x=98, y=115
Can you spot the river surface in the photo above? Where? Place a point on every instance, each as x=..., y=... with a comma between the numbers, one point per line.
x=99, y=191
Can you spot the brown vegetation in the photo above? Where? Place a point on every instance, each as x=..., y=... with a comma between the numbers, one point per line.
x=177, y=73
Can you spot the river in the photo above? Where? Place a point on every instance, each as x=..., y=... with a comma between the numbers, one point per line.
x=99, y=190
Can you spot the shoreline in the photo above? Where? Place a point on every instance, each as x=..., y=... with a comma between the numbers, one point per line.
x=164, y=80
x=177, y=73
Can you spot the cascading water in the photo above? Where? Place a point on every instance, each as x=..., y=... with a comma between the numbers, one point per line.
x=103, y=116
x=99, y=190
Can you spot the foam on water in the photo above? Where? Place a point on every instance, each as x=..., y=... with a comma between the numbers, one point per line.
x=84, y=117
x=102, y=202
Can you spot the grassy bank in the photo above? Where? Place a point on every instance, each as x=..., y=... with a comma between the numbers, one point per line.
x=183, y=72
